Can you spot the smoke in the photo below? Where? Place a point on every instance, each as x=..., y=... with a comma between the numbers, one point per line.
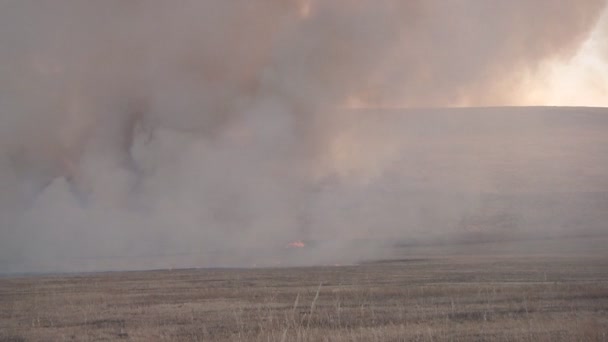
x=218, y=128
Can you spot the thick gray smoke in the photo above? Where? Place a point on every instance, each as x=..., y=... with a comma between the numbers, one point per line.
x=217, y=129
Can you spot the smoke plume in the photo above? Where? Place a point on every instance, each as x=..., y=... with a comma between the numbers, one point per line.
x=221, y=129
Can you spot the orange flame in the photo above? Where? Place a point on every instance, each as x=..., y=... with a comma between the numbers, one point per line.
x=296, y=244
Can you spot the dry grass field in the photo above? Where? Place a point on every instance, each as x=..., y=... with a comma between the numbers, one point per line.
x=434, y=293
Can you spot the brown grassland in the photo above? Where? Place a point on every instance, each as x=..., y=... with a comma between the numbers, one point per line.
x=426, y=294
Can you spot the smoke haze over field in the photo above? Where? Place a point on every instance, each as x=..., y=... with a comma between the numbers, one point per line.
x=224, y=129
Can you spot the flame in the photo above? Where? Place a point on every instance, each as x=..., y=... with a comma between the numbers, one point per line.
x=296, y=244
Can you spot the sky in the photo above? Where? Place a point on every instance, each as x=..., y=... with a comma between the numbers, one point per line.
x=581, y=80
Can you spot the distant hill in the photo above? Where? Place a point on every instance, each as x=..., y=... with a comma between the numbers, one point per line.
x=487, y=173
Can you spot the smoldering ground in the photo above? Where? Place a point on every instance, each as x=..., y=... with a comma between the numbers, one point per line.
x=220, y=129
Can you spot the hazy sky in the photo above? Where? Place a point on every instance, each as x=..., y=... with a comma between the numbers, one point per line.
x=578, y=81
x=579, y=78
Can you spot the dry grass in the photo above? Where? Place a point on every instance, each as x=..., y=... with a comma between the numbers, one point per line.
x=458, y=298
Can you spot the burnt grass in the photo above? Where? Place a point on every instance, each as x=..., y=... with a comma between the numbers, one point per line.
x=431, y=297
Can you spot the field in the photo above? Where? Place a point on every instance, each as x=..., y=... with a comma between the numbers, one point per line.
x=553, y=290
